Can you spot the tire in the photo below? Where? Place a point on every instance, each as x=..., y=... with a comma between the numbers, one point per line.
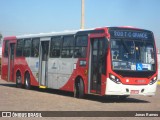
x=79, y=89
x=18, y=81
x=27, y=82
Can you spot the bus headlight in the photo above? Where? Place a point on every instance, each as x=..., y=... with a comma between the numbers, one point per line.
x=153, y=80
x=114, y=78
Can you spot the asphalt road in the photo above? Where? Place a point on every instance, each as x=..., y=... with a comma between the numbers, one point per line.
x=18, y=99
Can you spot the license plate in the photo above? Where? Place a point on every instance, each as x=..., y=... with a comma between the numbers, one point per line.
x=134, y=92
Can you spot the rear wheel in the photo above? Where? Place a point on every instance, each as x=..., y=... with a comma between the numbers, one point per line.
x=18, y=80
x=79, y=89
x=27, y=81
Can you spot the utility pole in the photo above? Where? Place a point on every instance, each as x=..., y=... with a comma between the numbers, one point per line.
x=82, y=14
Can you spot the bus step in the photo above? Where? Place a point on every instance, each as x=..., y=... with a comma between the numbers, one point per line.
x=43, y=87
x=158, y=82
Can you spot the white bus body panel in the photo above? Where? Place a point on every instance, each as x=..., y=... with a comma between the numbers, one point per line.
x=33, y=64
x=59, y=71
x=113, y=88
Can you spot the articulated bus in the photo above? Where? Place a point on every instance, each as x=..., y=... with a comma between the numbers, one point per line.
x=118, y=61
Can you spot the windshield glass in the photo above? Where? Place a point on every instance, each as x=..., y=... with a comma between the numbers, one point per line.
x=132, y=55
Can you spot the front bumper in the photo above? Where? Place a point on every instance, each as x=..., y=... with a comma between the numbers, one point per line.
x=113, y=88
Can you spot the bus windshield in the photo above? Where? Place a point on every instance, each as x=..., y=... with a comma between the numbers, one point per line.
x=134, y=55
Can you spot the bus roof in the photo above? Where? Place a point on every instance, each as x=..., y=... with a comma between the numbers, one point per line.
x=9, y=38
x=66, y=32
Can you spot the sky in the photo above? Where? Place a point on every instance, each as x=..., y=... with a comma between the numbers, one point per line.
x=18, y=17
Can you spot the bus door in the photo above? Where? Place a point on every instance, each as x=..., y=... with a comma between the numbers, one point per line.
x=44, y=54
x=11, y=62
x=97, y=63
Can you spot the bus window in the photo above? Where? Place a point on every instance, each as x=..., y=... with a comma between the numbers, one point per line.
x=150, y=54
x=55, y=47
x=81, y=47
x=6, y=49
x=68, y=46
x=19, y=48
x=27, y=47
x=35, y=47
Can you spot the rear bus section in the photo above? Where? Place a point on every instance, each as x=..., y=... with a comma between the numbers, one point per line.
x=8, y=58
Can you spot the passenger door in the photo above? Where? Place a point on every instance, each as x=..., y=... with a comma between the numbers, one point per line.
x=43, y=58
x=11, y=55
x=97, y=63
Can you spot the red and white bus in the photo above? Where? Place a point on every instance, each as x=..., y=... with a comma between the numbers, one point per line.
x=117, y=61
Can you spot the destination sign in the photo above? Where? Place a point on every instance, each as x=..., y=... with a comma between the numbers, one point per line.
x=130, y=34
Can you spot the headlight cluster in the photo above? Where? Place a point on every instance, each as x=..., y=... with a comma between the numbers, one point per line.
x=114, y=78
x=153, y=80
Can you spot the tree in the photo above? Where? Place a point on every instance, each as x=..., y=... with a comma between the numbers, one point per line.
x=0, y=38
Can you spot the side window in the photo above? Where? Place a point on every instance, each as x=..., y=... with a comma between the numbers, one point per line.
x=81, y=47
x=27, y=47
x=35, y=47
x=6, y=49
x=68, y=46
x=55, y=47
x=19, y=48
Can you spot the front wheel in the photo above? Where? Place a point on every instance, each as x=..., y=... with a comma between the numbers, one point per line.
x=79, y=89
